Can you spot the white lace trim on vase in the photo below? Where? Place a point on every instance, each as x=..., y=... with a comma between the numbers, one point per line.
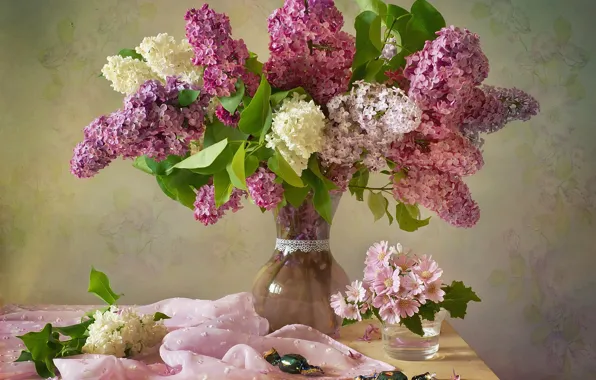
x=290, y=246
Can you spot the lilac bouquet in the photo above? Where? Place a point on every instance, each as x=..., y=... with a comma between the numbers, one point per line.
x=404, y=99
x=401, y=288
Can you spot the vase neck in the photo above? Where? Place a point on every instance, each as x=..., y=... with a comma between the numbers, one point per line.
x=304, y=222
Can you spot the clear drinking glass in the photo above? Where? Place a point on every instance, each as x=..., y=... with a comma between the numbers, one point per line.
x=402, y=344
x=295, y=285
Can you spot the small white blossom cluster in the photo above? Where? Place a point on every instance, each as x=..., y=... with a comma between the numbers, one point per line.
x=163, y=57
x=297, y=131
x=126, y=73
x=123, y=333
x=364, y=124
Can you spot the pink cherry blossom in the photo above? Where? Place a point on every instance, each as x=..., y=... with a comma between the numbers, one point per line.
x=428, y=270
x=387, y=281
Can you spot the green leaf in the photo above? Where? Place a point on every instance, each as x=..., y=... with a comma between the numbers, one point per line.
x=204, y=158
x=75, y=331
x=372, y=70
x=278, y=165
x=180, y=184
x=24, y=357
x=132, y=53
x=267, y=125
x=150, y=166
x=423, y=25
x=99, y=284
x=295, y=195
x=236, y=169
x=358, y=182
x=217, y=131
x=377, y=203
x=159, y=316
x=396, y=16
x=221, y=162
x=187, y=97
x=253, y=65
x=428, y=310
x=313, y=165
x=414, y=324
x=376, y=6
x=43, y=349
x=368, y=38
x=254, y=116
x=389, y=216
x=223, y=188
x=413, y=210
x=232, y=102
x=264, y=153
x=406, y=221
x=251, y=164
x=278, y=97
x=72, y=347
x=321, y=198
x=457, y=297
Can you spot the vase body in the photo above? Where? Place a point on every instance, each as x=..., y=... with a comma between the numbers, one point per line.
x=402, y=344
x=295, y=285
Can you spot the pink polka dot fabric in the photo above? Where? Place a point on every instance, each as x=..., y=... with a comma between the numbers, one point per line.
x=222, y=339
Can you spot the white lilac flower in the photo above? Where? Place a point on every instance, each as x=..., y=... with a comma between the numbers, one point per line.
x=167, y=57
x=364, y=124
x=126, y=73
x=123, y=333
x=297, y=131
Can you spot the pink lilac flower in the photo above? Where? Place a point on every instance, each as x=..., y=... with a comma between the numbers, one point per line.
x=433, y=291
x=428, y=270
x=442, y=77
x=378, y=255
x=397, y=78
x=406, y=307
x=339, y=305
x=309, y=50
x=205, y=210
x=355, y=292
x=227, y=118
x=263, y=189
x=390, y=314
x=444, y=193
x=455, y=154
x=341, y=177
x=387, y=281
x=209, y=33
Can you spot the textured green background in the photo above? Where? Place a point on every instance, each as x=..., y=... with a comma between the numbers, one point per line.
x=531, y=258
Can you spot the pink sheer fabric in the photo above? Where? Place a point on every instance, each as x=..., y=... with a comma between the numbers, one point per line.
x=222, y=339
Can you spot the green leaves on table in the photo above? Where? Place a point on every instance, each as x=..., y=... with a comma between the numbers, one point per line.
x=457, y=297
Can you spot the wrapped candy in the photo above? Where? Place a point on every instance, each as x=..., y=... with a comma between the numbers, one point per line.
x=292, y=363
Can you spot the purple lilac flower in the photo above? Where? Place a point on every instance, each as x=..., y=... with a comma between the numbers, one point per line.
x=341, y=177
x=442, y=78
x=150, y=123
x=209, y=33
x=309, y=50
x=92, y=154
x=227, y=118
x=491, y=108
x=205, y=210
x=263, y=189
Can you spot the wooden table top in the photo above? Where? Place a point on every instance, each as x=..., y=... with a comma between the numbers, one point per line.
x=454, y=354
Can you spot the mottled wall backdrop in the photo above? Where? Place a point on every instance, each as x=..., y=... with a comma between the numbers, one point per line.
x=531, y=258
